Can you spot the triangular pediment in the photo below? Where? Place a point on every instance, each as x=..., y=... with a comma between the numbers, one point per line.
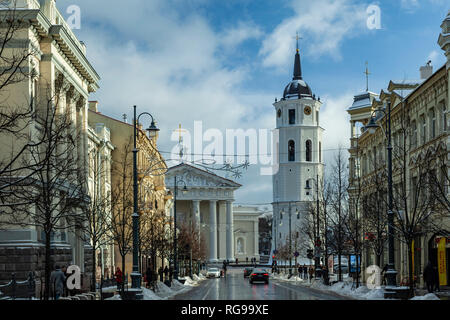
x=195, y=177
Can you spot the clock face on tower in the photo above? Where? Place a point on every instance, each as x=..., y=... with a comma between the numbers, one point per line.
x=308, y=110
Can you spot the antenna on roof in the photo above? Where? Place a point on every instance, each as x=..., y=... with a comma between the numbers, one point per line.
x=125, y=117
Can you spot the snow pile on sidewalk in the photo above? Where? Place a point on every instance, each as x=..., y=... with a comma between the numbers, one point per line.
x=116, y=297
x=189, y=282
x=429, y=296
x=178, y=286
x=163, y=291
x=150, y=295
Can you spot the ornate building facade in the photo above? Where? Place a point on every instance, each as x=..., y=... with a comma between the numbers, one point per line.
x=420, y=142
x=55, y=65
x=208, y=204
x=154, y=200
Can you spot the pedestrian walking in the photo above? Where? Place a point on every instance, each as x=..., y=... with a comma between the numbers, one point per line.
x=246, y=260
x=119, y=278
x=166, y=273
x=428, y=277
x=305, y=272
x=384, y=274
x=57, y=280
x=311, y=273
x=237, y=260
x=148, y=276
x=436, y=278
x=160, y=273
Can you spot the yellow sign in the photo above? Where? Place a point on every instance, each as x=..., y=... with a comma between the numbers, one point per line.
x=442, y=262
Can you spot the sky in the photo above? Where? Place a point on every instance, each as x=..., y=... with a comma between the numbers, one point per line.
x=225, y=62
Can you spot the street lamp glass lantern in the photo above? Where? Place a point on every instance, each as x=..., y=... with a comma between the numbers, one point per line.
x=185, y=190
x=152, y=130
x=372, y=126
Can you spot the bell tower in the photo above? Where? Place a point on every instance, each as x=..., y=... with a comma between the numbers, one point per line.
x=300, y=158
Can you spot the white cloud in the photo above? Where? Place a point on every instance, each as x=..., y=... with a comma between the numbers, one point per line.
x=323, y=25
x=168, y=62
x=410, y=5
x=234, y=36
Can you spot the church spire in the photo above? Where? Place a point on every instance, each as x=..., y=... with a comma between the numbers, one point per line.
x=297, y=64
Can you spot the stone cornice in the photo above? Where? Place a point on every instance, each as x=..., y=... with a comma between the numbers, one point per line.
x=75, y=55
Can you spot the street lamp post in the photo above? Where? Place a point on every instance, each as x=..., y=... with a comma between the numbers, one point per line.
x=317, y=242
x=290, y=235
x=136, y=275
x=372, y=126
x=175, y=254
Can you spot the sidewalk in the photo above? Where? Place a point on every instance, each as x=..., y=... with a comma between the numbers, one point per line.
x=163, y=292
x=346, y=289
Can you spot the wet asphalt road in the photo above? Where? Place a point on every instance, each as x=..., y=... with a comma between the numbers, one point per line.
x=235, y=287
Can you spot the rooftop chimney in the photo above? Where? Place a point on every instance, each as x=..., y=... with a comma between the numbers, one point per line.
x=93, y=106
x=426, y=71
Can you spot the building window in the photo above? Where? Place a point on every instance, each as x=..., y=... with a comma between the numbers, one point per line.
x=424, y=129
x=433, y=123
x=308, y=151
x=414, y=135
x=291, y=150
x=444, y=117
x=320, y=151
x=292, y=116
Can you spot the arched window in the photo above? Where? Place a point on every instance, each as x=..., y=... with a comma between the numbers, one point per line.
x=291, y=150
x=320, y=151
x=308, y=151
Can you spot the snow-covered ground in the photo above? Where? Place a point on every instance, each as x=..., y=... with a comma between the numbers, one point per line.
x=163, y=292
x=345, y=288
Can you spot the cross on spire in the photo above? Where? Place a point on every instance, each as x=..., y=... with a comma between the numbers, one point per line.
x=367, y=73
x=298, y=38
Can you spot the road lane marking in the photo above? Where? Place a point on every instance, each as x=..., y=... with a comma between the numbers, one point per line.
x=210, y=287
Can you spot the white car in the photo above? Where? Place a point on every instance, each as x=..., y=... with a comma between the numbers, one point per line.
x=213, y=273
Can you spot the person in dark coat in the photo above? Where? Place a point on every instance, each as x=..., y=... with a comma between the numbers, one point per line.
x=160, y=272
x=57, y=281
x=436, y=278
x=305, y=272
x=166, y=273
x=428, y=277
x=384, y=274
x=149, y=276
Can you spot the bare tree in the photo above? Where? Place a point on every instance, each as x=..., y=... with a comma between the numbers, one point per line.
x=55, y=188
x=122, y=204
x=414, y=201
x=338, y=217
x=16, y=66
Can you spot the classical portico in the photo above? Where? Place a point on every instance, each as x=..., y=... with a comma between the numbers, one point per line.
x=208, y=205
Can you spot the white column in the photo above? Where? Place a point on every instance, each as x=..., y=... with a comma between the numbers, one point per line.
x=230, y=231
x=213, y=231
x=196, y=213
x=256, y=230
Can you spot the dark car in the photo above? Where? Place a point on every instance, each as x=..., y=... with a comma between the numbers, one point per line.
x=247, y=272
x=259, y=275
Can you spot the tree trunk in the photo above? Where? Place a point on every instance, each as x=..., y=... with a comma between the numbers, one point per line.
x=94, y=269
x=410, y=264
x=48, y=266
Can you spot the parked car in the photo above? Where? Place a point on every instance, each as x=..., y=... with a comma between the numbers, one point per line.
x=259, y=275
x=344, y=268
x=213, y=273
x=247, y=272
